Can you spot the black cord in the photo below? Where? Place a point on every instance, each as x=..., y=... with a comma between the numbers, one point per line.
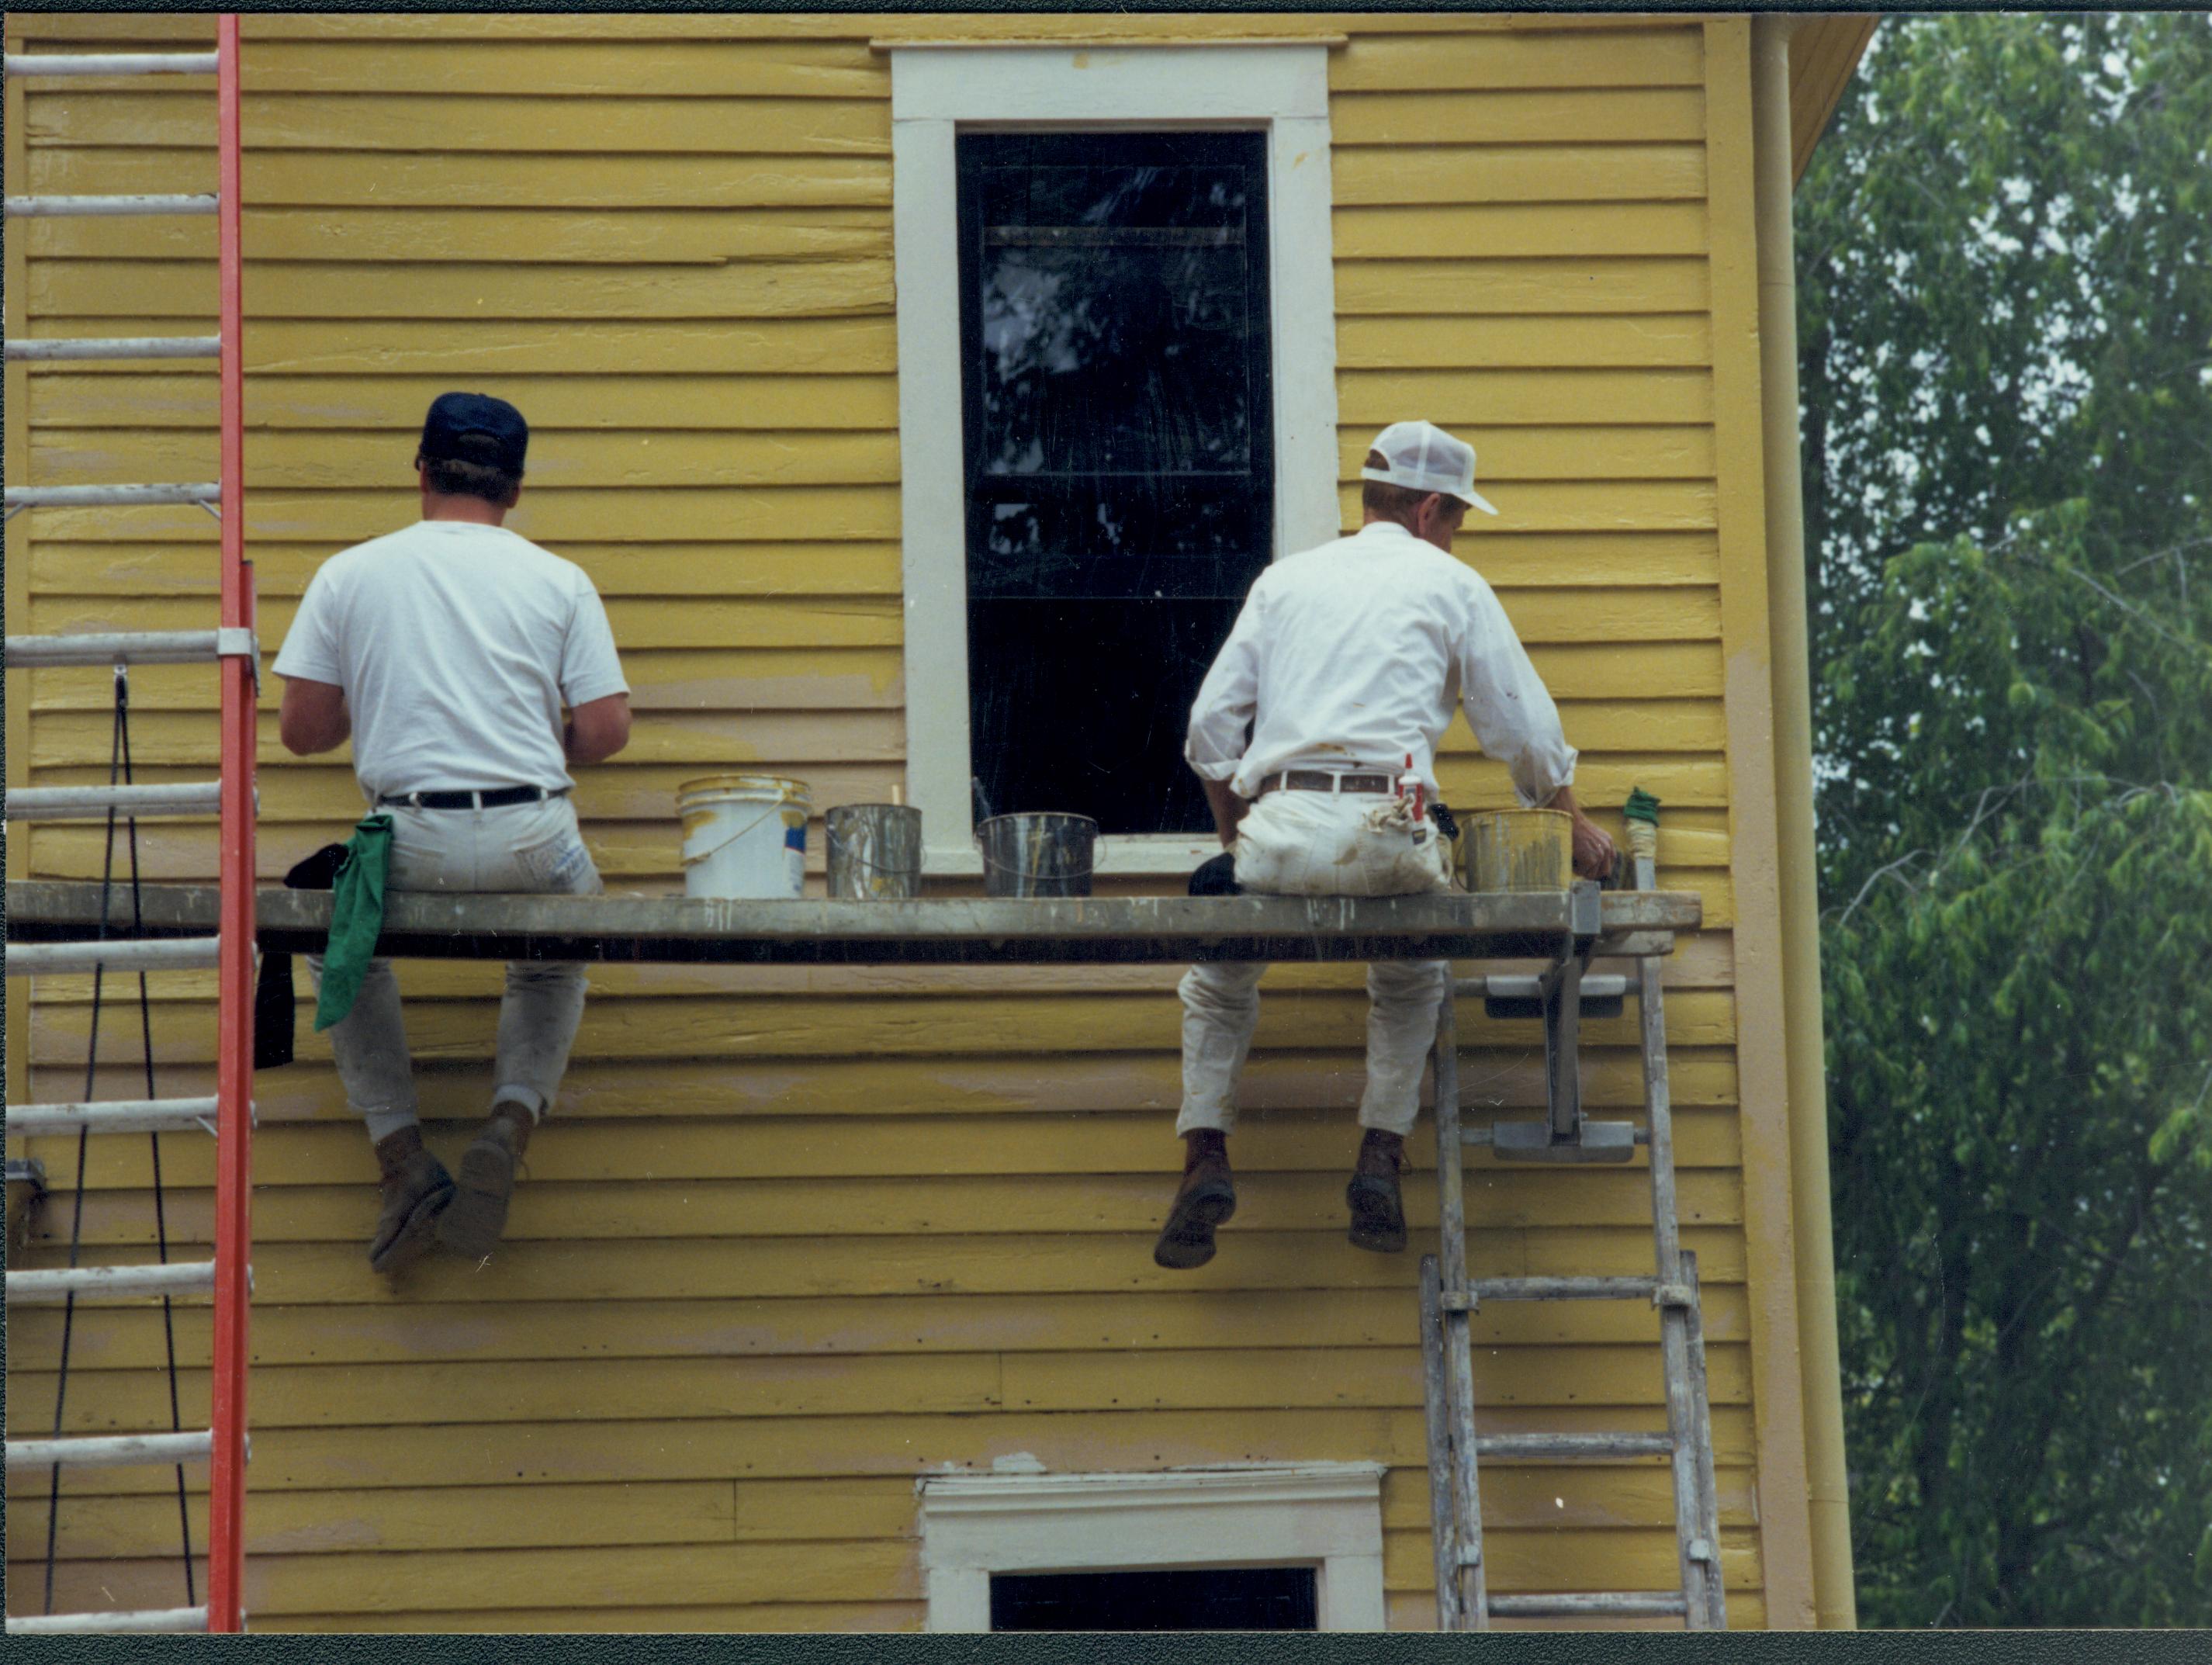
x=154, y=1145
x=84, y=1142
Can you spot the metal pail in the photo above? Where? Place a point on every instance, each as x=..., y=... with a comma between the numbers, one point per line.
x=1037, y=855
x=1520, y=850
x=874, y=851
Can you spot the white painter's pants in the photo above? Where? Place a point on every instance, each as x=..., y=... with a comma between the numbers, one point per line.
x=1310, y=844
x=516, y=847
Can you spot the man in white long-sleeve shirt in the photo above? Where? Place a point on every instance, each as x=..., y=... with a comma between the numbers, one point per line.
x=1346, y=660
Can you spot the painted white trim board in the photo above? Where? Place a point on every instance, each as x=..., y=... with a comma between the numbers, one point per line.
x=939, y=89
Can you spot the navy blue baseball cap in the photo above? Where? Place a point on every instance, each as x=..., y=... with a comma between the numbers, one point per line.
x=475, y=427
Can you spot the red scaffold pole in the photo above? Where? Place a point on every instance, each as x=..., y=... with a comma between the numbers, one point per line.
x=234, y=967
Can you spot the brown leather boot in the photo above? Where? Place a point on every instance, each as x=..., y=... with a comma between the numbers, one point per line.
x=1378, y=1213
x=1207, y=1198
x=416, y=1188
x=472, y=1224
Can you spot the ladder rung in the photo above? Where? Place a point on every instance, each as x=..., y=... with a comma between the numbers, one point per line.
x=114, y=1116
x=43, y=208
x=35, y=959
x=134, y=346
x=83, y=803
x=1629, y=1604
x=110, y=496
x=146, y=1622
x=110, y=63
x=113, y=1451
x=115, y=647
x=91, y=1282
x=1571, y=1289
x=1573, y=1445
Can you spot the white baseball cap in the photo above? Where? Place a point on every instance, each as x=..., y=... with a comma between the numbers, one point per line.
x=1422, y=457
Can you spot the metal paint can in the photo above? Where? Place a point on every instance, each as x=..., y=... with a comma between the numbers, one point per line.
x=1039, y=854
x=874, y=851
x=744, y=835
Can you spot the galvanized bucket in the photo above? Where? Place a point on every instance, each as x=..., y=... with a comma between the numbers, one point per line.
x=874, y=852
x=1038, y=854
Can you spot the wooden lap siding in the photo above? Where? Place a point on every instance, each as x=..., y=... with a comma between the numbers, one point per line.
x=798, y=1237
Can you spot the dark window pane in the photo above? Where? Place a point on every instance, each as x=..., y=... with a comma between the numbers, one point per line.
x=1181, y=1599
x=1119, y=472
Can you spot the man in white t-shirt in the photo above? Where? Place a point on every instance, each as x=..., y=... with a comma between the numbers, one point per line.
x=1346, y=661
x=446, y=651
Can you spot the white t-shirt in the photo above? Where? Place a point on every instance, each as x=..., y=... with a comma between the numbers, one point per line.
x=1354, y=653
x=456, y=644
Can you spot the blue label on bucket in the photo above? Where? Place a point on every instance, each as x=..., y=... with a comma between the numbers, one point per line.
x=794, y=838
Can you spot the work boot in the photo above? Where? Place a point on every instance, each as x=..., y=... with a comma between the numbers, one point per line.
x=1204, y=1201
x=1378, y=1213
x=416, y=1188
x=472, y=1224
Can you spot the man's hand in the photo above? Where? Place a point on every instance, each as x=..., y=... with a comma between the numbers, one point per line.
x=313, y=717
x=1594, y=853
x=1228, y=808
x=597, y=730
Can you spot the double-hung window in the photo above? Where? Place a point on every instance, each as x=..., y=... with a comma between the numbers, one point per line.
x=1116, y=362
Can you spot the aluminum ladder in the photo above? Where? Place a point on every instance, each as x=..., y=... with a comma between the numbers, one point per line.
x=1561, y=997
x=231, y=646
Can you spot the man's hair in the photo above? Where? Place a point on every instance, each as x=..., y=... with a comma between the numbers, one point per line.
x=454, y=478
x=1398, y=503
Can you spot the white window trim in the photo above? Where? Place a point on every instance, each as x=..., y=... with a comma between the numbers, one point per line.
x=938, y=90
x=1328, y=1516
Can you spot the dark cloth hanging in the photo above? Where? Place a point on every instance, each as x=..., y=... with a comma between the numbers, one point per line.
x=274, y=1015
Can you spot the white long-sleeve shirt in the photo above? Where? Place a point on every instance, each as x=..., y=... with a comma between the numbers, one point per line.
x=1353, y=654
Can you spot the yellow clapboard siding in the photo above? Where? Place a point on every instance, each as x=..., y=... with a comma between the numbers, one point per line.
x=1662, y=57
x=1505, y=399
x=483, y=289
x=625, y=1575
x=1519, y=1497
x=344, y=178
x=1512, y=116
x=525, y=354
x=909, y=1205
x=925, y=1026
x=1649, y=340
x=1584, y=506
x=1525, y=230
x=409, y=236
x=362, y=1395
x=353, y=461
x=683, y=1390
x=1510, y=561
x=741, y=1328
x=499, y=1454
x=617, y=393
x=1429, y=286
x=708, y=125
x=494, y=1518
x=1683, y=453
x=557, y=1270
x=614, y=68
x=339, y=518
x=661, y=569
x=767, y=1616
x=1468, y=173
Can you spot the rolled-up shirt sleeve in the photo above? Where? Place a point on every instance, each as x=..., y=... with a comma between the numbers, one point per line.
x=1222, y=713
x=1509, y=708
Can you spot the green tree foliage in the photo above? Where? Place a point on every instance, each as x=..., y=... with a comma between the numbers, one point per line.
x=2005, y=287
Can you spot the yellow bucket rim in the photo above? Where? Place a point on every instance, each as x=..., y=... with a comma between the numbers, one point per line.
x=781, y=786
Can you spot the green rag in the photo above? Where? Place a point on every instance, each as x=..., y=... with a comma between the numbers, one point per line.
x=356, y=918
x=1642, y=806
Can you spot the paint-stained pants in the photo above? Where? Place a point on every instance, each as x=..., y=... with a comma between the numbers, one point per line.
x=1302, y=843
x=531, y=847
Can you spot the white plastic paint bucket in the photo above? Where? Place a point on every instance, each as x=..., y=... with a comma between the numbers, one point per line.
x=743, y=836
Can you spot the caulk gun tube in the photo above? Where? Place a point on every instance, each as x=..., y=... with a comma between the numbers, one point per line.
x=1410, y=785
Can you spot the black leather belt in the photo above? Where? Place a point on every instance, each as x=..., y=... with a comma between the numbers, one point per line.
x=1322, y=780
x=495, y=798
